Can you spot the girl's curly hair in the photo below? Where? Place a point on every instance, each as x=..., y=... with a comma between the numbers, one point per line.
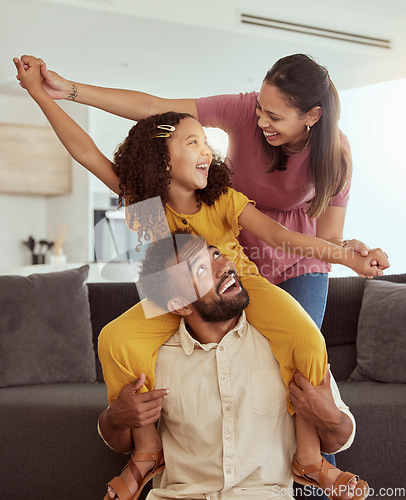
x=141, y=163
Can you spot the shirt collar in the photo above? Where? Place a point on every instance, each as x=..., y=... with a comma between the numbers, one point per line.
x=188, y=343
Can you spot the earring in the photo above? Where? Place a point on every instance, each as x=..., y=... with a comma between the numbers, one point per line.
x=308, y=128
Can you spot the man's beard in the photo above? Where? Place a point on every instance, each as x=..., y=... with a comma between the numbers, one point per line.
x=223, y=308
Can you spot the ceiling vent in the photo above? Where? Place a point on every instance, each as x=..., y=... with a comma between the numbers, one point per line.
x=266, y=22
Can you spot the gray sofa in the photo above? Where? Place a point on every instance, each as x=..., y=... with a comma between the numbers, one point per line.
x=379, y=407
x=50, y=448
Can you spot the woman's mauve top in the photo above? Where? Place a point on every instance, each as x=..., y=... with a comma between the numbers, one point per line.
x=282, y=195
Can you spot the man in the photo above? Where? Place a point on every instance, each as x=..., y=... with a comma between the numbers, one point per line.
x=225, y=427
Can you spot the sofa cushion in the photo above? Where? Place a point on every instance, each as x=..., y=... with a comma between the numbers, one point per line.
x=50, y=445
x=45, y=329
x=108, y=301
x=381, y=340
x=379, y=444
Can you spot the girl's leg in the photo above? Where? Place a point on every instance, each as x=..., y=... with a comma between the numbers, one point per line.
x=308, y=453
x=296, y=342
x=310, y=290
x=129, y=345
x=146, y=440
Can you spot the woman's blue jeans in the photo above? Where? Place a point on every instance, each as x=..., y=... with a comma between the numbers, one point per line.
x=310, y=290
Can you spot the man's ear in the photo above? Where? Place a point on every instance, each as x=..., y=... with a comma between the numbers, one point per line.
x=180, y=306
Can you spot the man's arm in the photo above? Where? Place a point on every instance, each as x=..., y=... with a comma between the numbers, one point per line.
x=131, y=410
x=318, y=406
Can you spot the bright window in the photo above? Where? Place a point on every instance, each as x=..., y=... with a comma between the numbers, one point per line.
x=373, y=118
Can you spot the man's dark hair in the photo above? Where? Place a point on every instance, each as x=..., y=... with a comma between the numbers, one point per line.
x=158, y=286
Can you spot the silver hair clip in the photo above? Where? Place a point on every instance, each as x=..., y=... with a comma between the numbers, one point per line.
x=168, y=128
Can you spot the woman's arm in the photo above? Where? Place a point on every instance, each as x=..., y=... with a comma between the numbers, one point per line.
x=330, y=227
x=78, y=143
x=277, y=236
x=126, y=103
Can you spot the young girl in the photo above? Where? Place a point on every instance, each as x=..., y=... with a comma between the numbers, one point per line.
x=167, y=155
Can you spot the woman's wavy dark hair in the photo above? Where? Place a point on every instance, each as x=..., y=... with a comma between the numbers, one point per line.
x=306, y=84
x=142, y=164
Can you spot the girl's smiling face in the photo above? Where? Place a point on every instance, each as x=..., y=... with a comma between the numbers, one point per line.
x=190, y=156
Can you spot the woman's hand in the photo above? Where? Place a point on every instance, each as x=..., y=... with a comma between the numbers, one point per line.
x=55, y=85
x=358, y=246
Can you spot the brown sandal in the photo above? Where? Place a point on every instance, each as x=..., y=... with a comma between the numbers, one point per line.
x=120, y=486
x=340, y=485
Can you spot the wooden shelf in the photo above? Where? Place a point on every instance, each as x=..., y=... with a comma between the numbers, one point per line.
x=33, y=161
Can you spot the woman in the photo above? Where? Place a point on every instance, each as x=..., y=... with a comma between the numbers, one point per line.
x=285, y=150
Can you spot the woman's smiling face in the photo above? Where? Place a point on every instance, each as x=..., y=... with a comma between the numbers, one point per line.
x=280, y=122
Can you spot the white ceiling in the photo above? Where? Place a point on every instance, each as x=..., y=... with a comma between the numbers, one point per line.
x=187, y=48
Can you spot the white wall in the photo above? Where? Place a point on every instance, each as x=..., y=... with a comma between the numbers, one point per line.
x=21, y=216
x=75, y=209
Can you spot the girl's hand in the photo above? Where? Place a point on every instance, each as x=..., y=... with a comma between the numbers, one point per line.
x=371, y=265
x=29, y=73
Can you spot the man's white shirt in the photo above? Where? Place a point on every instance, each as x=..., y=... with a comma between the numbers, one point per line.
x=225, y=427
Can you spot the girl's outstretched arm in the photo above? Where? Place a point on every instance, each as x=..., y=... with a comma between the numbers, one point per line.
x=277, y=236
x=126, y=103
x=78, y=143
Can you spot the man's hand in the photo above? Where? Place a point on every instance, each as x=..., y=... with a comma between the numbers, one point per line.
x=132, y=409
x=316, y=405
